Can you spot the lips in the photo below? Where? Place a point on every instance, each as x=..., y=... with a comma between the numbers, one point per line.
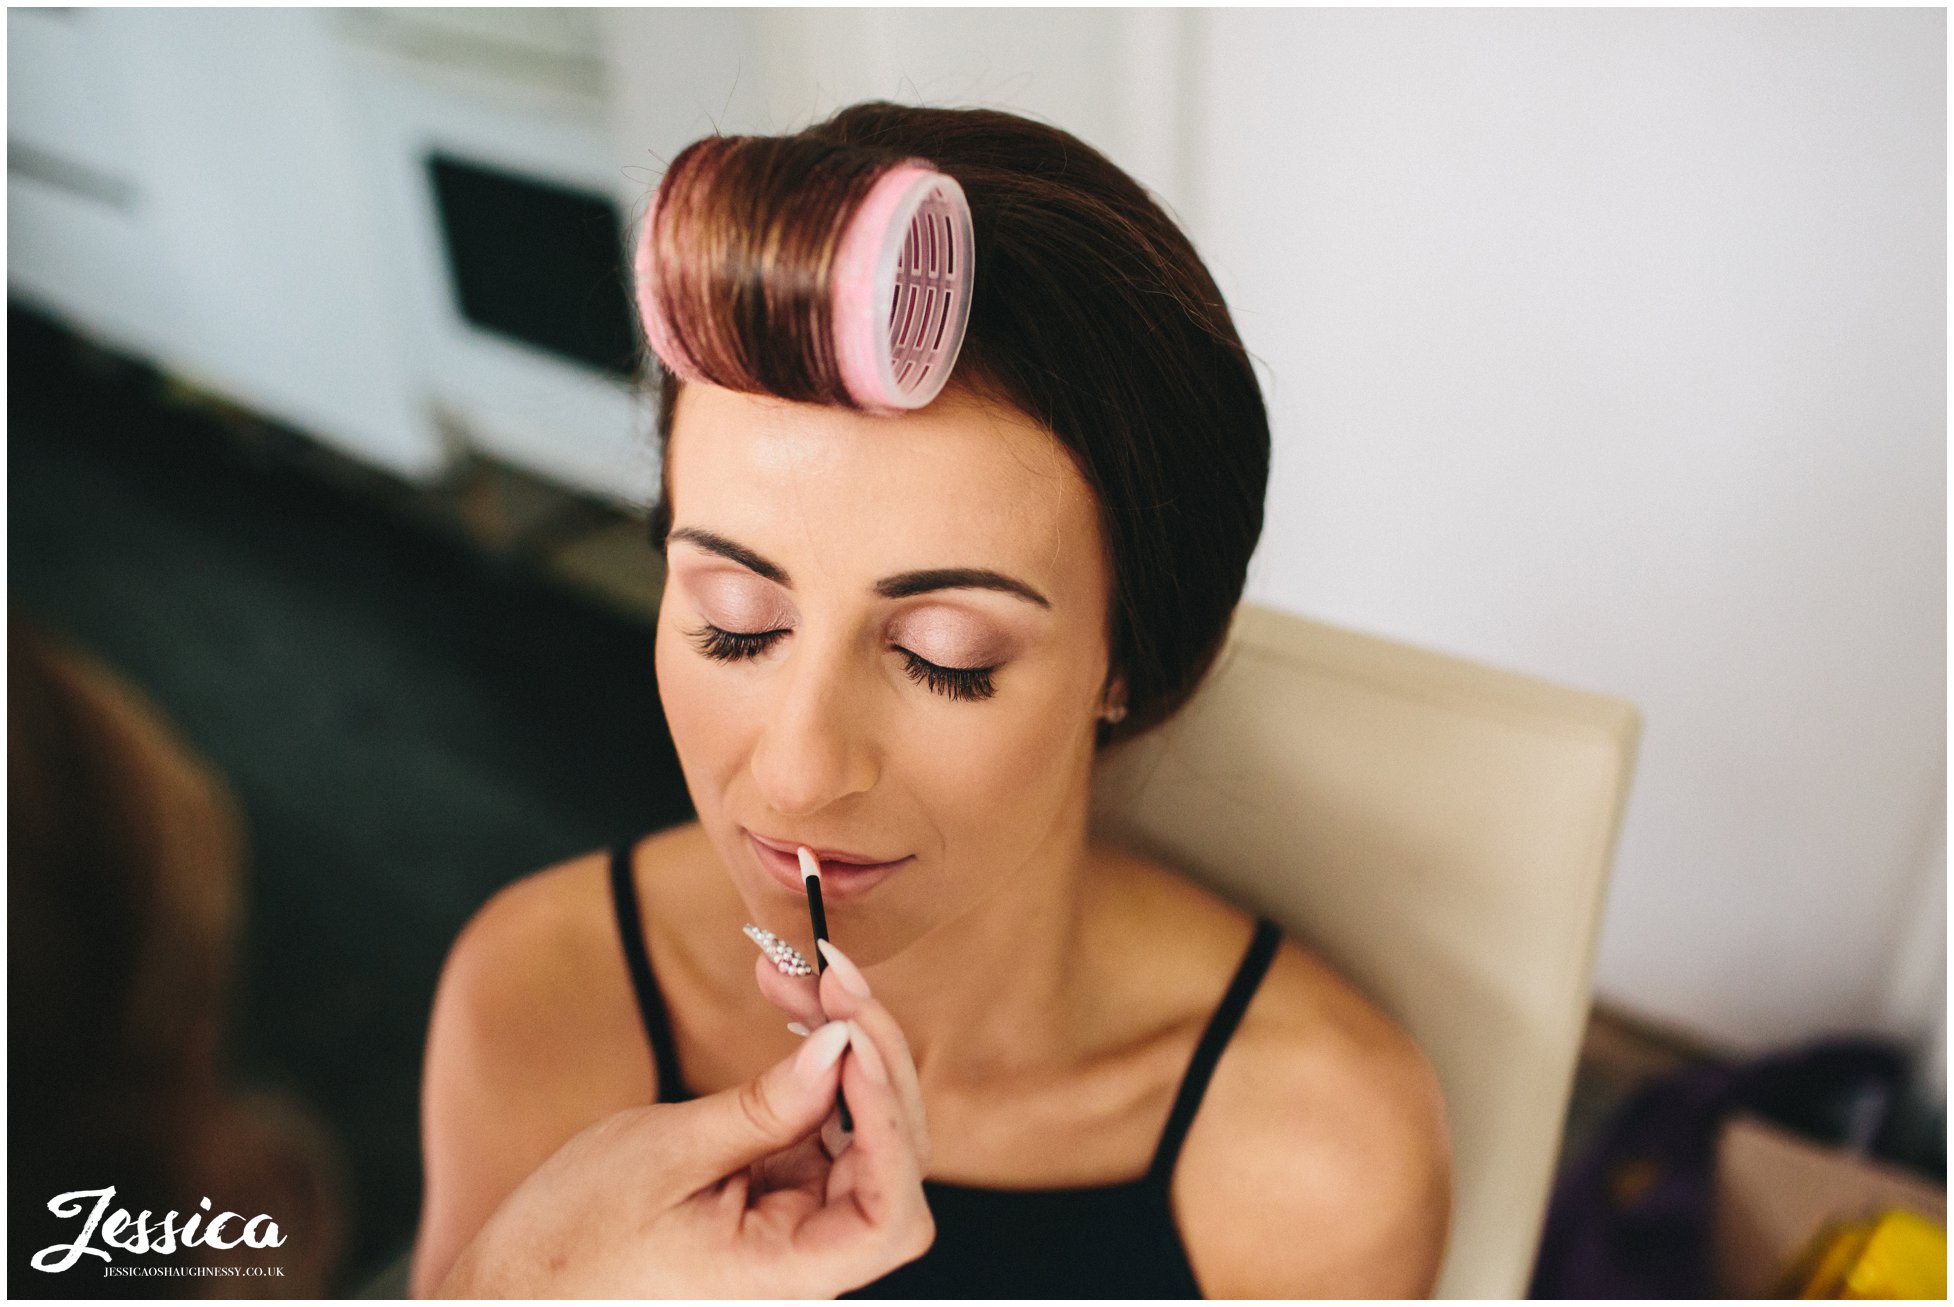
x=825, y=855
x=842, y=876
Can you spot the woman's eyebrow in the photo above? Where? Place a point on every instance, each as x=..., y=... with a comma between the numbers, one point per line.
x=714, y=543
x=904, y=584
x=900, y=586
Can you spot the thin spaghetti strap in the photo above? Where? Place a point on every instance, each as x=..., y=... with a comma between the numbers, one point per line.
x=1221, y=1026
x=651, y=1007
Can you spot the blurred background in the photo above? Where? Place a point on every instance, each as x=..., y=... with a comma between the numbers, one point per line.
x=1607, y=346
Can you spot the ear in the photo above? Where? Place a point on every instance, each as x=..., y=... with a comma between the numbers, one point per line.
x=1112, y=698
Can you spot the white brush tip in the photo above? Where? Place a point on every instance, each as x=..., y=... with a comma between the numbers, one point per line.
x=810, y=865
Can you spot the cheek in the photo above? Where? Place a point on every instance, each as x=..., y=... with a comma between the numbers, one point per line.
x=705, y=720
x=1000, y=776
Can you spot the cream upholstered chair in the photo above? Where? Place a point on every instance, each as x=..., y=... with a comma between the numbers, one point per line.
x=1438, y=831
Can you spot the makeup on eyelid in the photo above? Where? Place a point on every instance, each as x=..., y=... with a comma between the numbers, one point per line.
x=936, y=635
x=741, y=604
x=737, y=601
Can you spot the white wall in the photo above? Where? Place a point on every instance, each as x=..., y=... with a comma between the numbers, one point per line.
x=1109, y=76
x=1609, y=346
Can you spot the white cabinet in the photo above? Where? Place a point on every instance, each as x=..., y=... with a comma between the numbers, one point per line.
x=77, y=238
x=242, y=197
x=532, y=112
x=242, y=253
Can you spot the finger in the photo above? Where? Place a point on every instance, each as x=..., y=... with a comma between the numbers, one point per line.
x=797, y=996
x=703, y=1140
x=802, y=1166
x=842, y=994
x=876, y=1209
x=733, y=1190
x=834, y=1139
x=888, y=1139
x=880, y=1027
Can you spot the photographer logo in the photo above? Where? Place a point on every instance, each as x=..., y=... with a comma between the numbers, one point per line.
x=137, y=1235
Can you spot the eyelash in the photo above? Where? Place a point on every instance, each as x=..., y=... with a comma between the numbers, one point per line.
x=966, y=683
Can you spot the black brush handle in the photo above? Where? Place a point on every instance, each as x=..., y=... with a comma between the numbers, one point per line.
x=820, y=916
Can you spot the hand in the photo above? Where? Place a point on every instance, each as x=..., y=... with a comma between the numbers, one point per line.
x=842, y=993
x=728, y=1196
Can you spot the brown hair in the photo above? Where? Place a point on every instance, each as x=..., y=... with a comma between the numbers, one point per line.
x=1092, y=315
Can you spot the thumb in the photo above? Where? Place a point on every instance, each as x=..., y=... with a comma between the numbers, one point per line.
x=715, y=1136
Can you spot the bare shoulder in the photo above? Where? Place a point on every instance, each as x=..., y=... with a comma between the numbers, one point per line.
x=1337, y=1121
x=1323, y=1116
x=522, y=975
x=523, y=1045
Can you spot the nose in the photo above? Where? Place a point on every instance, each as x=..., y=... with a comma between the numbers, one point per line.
x=816, y=747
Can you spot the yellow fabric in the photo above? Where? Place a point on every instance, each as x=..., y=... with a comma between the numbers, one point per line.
x=1905, y=1257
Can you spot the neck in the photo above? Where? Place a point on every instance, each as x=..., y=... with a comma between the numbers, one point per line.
x=991, y=992
x=995, y=990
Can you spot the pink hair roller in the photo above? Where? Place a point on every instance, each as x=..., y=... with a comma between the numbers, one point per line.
x=658, y=333
x=909, y=245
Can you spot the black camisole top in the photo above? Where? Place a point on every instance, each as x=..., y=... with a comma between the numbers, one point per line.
x=1102, y=1241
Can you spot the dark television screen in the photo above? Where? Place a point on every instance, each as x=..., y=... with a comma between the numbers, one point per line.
x=536, y=261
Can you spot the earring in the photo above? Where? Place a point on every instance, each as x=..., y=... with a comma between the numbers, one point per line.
x=1116, y=713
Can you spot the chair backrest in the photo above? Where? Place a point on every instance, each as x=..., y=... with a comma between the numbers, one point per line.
x=1441, y=833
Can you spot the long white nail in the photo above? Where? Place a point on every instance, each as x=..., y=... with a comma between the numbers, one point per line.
x=821, y=1051
x=797, y=1028
x=867, y=1054
x=785, y=957
x=846, y=972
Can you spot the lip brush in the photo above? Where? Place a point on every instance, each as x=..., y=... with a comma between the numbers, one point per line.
x=811, y=878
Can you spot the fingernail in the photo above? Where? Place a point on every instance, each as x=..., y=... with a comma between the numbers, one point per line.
x=797, y=1028
x=865, y=1049
x=821, y=1051
x=851, y=975
x=783, y=955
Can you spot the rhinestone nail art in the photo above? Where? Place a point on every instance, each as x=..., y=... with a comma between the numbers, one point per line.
x=783, y=955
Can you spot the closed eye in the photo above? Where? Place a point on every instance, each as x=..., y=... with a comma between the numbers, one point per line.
x=963, y=683
x=956, y=682
x=732, y=646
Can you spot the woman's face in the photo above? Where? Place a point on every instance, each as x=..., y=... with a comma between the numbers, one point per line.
x=883, y=637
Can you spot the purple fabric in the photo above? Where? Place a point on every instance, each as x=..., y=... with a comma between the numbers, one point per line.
x=1630, y=1217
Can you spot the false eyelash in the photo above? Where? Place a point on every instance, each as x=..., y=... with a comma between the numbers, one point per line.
x=732, y=646
x=956, y=682
x=966, y=683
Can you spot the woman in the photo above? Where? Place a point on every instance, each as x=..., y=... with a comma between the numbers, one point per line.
x=900, y=641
